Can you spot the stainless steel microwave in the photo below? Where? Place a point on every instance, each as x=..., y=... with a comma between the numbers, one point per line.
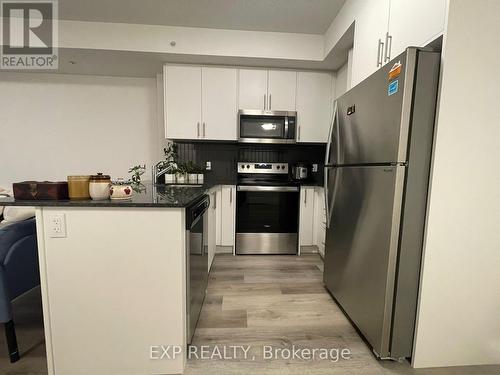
x=266, y=126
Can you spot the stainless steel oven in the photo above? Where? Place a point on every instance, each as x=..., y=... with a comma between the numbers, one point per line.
x=267, y=210
x=266, y=126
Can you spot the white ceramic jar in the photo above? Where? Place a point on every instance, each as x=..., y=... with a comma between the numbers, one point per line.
x=99, y=186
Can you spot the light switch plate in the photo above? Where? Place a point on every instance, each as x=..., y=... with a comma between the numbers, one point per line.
x=57, y=226
x=315, y=168
x=208, y=166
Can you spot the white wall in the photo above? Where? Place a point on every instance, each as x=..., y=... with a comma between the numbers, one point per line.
x=190, y=40
x=53, y=125
x=343, y=77
x=459, y=312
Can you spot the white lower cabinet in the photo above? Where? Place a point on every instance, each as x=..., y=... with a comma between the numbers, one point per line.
x=312, y=225
x=226, y=215
x=211, y=227
x=319, y=219
x=306, y=216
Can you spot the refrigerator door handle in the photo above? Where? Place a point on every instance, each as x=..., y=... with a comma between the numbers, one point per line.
x=329, y=204
x=327, y=211
x=330, y=134
x=337, y=121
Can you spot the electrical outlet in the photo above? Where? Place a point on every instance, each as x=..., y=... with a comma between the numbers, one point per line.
x=208, y=166
x=315, y=168
x=57, y=226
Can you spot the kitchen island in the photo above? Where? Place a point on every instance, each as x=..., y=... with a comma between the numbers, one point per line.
x=113, y=281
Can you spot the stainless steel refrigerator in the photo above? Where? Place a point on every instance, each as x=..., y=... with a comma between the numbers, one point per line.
x=376, y=182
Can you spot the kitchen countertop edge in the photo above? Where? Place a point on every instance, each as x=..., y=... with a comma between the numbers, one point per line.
x=153, y=197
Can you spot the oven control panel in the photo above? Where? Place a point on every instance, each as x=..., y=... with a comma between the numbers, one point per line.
x=247, y=167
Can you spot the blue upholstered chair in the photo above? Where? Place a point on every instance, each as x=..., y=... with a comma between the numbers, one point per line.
x=18, y=273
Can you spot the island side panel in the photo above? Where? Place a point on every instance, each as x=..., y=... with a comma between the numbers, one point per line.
x=112, y=288
x=43, y=286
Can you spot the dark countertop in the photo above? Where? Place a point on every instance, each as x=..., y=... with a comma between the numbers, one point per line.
x=150, y=196
x=176, y=196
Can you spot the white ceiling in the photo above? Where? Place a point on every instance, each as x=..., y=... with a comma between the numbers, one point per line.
x=295, y=16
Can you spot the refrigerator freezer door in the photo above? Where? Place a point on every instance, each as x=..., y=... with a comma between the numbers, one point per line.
x=332, y=144
x=361, y=247
x=374, y=116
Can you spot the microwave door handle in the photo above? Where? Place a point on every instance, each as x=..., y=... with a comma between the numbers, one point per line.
x=286, y=128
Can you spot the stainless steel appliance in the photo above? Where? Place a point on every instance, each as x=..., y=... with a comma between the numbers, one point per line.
x=196, y=261
x=266, y=126
x=376, y=182
x=267, y=210
x=300, y=172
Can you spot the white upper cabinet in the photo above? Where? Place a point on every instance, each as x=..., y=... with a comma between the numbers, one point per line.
x=219, y=103
x=281, y=90
x=385, y=28
x=267, y=90
x=414, y=23
x=200, y=102
x=314, y=106
x=253, y=89
x=182, y=102
x=369, y=40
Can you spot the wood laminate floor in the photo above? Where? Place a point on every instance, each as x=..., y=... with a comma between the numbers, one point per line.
x=280, y=302
x=253, y=301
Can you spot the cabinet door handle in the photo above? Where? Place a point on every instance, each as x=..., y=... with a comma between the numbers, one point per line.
x=380, y=50
x=388, y=46
x=198, y=129
x=203, y=129
x=298, y=137
x=265, y=102
x=305, y=196
x=215, y=201
x=269, y=101
x=231, y=196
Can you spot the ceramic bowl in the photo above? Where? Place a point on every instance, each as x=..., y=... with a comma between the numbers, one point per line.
x=120, y=191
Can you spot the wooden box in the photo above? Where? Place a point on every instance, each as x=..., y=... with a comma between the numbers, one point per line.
x=40, y=190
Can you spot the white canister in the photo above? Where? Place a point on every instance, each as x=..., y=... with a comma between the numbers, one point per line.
x=193, y=178
x=99, y=186
x=181, y=178
x=169, y=178
x=200, y=178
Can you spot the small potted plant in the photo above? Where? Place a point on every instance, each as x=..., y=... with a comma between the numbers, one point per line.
x=200, y=171
x=192, y=172
x=170, y=162
x=180, y=174
x=137, y=172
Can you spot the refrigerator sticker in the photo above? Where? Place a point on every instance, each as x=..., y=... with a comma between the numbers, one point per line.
x=395, y=70
x=393, y=88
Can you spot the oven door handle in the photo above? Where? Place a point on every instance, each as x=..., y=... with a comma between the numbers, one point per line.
x=267, y=188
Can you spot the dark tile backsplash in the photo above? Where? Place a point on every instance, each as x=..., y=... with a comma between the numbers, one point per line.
x=224, y=157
